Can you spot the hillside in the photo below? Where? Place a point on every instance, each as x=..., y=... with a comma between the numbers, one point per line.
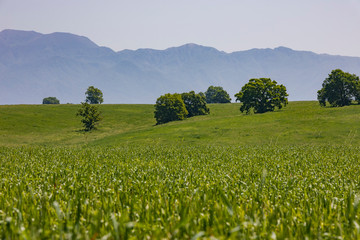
x=35, y=65
x=300, y=123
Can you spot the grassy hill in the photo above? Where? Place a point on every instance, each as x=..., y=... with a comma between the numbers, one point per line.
x=299, y=123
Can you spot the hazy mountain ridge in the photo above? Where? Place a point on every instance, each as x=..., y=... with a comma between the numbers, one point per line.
x=34, y=66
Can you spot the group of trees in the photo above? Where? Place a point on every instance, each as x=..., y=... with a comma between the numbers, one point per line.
x=172, y=107
x=258, y=95
x=90, y=114
x=262, y=95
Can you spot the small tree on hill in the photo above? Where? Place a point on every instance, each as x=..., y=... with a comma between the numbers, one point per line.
x=90, y=116
x=262, y=95
x=94, y=95
x=50, y=100
x=195, y=104
x=217, y=95
x=339, y=89
x=170, y=107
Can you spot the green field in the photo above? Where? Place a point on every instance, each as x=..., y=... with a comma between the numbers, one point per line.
x=290, y=174
x=300, y=123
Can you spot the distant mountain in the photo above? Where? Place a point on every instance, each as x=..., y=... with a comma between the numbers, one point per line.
x=63, y=65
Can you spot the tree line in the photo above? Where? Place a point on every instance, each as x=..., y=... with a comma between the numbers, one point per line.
x=172, y=107
x=259, y=95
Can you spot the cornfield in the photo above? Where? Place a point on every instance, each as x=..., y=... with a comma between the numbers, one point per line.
x=183, y=192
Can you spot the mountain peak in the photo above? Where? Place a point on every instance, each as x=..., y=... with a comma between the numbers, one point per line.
x=70, y=39
x=283, y=49
x=18, y=37
x=192, y=47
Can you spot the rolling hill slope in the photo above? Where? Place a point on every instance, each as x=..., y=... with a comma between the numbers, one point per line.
x=300, y=123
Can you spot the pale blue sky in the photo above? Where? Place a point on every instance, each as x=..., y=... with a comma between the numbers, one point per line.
x=322, y=26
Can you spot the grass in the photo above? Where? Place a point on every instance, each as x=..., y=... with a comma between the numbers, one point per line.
x=58, y=125
x=298, y=123
x=290, y=174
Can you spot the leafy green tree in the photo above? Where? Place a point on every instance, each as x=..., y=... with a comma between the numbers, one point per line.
x=217, y=95
x=170, y=107
x=50, y=100
x=195, y=104
x=94, y=95
x=90, y=116
x=339, y=89
x=262, y=95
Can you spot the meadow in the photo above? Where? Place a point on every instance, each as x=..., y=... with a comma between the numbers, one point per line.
x=291, y=174
x=300, y=123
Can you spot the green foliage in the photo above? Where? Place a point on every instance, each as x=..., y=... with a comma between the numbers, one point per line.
x=94, y=95
x=339, y=89
x=195, y=104
x=90, y=116
x=170, y=107
x=217, y=95
x=180, y=192
x=262, y=95
x=50, y=100
x=202, y=95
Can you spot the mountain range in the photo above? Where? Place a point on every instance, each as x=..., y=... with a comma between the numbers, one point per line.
x=34, y=66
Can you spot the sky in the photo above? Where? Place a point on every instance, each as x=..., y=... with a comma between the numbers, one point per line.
x=321, y=26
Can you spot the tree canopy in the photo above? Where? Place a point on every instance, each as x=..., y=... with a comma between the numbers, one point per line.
x=217, y=95
x=50, y=100
x=90, y=116
x=262, y=95
x=94, y=95
x=195, y=104
x=170, y=107
x=339, y=89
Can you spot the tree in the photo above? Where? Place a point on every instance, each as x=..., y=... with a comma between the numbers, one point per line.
x=169, y=107
x=339, y=89
x=202, y=95
x=195, y=104
x=90, y=116
x=217, y=95
x=94, y=95
x=50, y=100
x=262, y=95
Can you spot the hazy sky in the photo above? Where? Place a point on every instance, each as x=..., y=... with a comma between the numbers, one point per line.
x=322, y=26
